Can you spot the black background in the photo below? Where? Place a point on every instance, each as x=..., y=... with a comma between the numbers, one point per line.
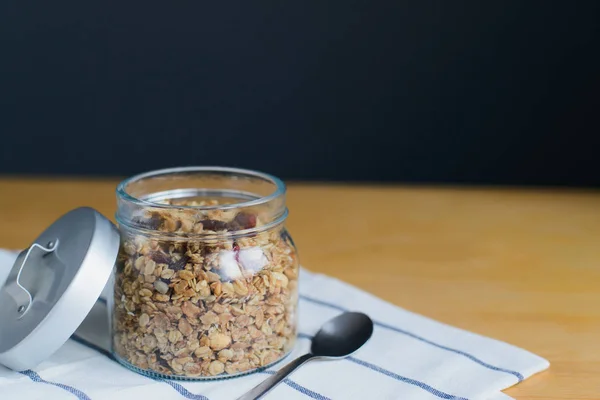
x=496, y=92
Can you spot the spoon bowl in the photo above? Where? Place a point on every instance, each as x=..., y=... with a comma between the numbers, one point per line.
x=338, y=338
x=342, y=335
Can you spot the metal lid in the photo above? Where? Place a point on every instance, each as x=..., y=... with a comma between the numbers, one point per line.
x=53, y=285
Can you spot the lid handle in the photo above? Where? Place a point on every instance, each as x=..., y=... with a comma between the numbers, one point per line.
x=18, y=292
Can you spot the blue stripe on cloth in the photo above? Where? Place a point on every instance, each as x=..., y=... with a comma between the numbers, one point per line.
x=36, y=378
x=391, y=374
x=400, y=378
x=300, y=388
x=184, y=392
x=471, y=357
x=188, y=395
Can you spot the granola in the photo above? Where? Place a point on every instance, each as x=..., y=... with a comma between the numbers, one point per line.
x=198, y=300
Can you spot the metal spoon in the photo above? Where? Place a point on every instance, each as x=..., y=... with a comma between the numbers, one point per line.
x=338, y=338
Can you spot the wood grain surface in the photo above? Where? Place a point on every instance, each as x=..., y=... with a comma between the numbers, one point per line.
x=522, y=266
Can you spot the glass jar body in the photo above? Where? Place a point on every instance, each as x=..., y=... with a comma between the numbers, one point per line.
x=202, y=291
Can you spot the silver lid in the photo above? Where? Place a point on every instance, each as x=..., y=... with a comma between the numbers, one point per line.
x=53, y=285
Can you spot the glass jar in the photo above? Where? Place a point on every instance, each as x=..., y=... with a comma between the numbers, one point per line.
x=206, y=281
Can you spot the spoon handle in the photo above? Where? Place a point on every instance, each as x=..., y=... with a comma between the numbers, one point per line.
x=268, y=384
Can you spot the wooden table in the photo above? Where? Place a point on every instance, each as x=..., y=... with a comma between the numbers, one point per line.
x=521, y=266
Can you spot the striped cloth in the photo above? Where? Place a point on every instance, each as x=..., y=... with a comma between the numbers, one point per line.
x=408, y=357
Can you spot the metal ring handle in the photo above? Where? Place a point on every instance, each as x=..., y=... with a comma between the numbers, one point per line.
x=23, y=308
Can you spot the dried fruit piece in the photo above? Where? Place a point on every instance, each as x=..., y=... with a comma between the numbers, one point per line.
x=159, y=257
x=243, y=220
x=153, y=222
x=179, y=264
x=213, y=225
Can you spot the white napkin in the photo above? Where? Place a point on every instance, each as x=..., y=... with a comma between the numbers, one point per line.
x=408, y=357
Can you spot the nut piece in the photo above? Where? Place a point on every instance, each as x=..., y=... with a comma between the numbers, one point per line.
x=225, y=355
x=279, y=280
x=180, y=287
x=219, y=341
x=190, y=310
x=216, y=368
x=209, y=318
x=149, y=268
x=192, y=369
x=259, y=318
x=161, y=287
x=203, y=352
x=185, y=274
x=175, y=336
x=184, y=327
x=144, y=319
x=167, y=273
x=161, y=321
x=243, y=321
x=240, y=288
x=216, y=288
x=161, y=297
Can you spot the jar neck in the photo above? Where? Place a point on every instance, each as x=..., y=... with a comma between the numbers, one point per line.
x=201, y=201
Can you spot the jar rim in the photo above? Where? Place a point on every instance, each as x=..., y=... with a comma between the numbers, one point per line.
x=280, y=188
